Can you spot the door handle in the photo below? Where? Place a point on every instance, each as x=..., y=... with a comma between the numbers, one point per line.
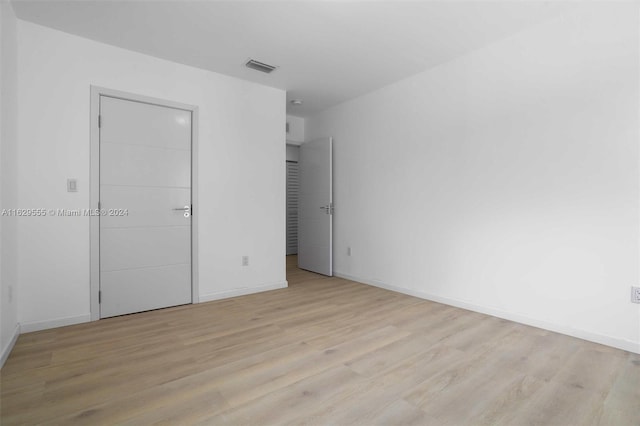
x=328, y=209
x=185, y=209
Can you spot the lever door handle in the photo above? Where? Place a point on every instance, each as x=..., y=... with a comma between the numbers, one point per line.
x=328, y=209
x=185, y=209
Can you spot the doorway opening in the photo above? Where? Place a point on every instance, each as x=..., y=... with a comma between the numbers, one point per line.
x=292, y=196
x=293, y=191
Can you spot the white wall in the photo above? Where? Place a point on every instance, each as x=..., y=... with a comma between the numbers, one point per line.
x=241, y=177
x=293, y=152
x=505, y=181
x=8, y=146
x=296, y=129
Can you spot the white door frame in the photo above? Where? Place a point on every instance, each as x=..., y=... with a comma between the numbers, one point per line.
x=94, y=191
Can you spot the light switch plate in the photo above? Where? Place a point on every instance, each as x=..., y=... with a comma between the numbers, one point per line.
x=72, y=185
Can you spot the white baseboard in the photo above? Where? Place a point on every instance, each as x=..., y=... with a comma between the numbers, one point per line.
x=9, y=347
x=225, y=294
x=623, y=344
x=28, y=327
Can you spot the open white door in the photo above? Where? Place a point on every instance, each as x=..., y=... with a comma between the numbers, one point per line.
x=315, y=219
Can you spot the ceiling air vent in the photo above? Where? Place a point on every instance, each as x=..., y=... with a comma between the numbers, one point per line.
x=259, y=66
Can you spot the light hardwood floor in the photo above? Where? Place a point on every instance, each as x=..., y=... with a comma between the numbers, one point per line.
x=323, y=351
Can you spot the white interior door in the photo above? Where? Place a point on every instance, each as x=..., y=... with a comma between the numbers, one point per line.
x=315, y=219
x=145, y=197
x=293, y=187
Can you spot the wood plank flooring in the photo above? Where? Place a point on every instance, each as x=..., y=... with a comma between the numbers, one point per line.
x=323, y=351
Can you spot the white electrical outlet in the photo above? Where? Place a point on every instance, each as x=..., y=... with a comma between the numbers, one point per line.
x=245, y=260
x=348, y=251
x=635, y=294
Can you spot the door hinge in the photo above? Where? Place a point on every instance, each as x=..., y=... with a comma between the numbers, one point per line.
x=99, y=296
x=99, y=121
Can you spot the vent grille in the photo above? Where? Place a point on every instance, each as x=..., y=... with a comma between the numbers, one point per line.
x=259, y=66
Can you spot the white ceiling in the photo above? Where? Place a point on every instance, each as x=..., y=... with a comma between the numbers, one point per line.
x=327, y=52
